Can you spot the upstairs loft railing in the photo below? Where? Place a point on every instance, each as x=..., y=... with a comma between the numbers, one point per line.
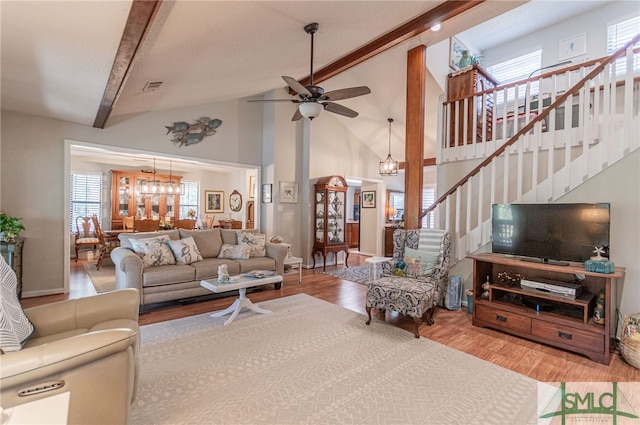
x=532, y=151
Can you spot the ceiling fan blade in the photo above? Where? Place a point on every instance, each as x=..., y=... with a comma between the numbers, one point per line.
x=297, y=116
x=339, y=109
x=296, y=86
x=274, y=100
x=346, y=93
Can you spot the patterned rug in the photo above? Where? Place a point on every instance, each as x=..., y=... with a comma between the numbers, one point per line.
x=312, y=362
x=104, y=280
x=359, y=274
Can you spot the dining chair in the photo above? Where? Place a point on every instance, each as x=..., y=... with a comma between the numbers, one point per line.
x=128, y=222
x=185, y=223
x=106, y=243
x=84, y=237
x=146, y=225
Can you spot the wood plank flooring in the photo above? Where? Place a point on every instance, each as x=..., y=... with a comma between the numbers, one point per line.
x=451, y=328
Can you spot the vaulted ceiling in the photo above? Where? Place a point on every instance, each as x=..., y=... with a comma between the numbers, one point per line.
x=58, y=56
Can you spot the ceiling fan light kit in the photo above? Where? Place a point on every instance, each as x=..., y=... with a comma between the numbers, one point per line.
x=312, y=100
x=311, y=110
x=389, y=167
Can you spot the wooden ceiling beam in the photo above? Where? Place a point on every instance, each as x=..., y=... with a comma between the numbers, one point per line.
x=427, y=162
x=141, y=17
x=418, y=25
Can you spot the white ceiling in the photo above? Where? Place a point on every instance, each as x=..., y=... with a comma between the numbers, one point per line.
x=57, y=55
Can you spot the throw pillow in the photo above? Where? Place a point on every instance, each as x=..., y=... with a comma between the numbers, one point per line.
x=256, y=241
x=153, y=251
x=420, y=263
x=235, y=252
x=15, y=327
x=208, y=241
x=185, y=250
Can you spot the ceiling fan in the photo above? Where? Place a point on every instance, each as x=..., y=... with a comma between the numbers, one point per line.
x=312, y=99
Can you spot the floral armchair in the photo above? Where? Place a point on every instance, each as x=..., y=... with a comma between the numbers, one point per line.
x=414, y=296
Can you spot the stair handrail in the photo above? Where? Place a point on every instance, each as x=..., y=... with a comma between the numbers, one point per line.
x=529, y=126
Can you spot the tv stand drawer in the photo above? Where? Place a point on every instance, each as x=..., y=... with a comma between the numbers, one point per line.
x=503, y=319
x=565, y=335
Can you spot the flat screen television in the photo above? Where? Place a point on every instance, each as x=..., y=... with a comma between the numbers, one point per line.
x=550, y=233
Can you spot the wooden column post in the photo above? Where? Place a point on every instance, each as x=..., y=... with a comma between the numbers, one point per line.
x=414, y=141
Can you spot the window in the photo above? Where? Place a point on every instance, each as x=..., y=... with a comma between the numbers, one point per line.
x=617, y=36
x=517, y=69
x=86, y=197
x=190, y=200
x=428, y=198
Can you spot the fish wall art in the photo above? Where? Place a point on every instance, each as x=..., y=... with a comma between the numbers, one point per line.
x=185, y=134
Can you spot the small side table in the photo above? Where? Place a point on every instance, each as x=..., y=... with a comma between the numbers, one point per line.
x=294, y=261
x=373, y=266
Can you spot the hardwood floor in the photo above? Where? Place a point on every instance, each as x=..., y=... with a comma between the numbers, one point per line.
x=451, y=328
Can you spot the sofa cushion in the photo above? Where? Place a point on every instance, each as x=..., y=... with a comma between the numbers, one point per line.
x=256, y=241
x=235, y=252
x=208, y=268
x=185, y=250
x=15, y=327
x=420, y=263
x=256, y=263
x=166, y=275
x=230, y=236
x=153, y=251
x=126, y=237
x=208, y=242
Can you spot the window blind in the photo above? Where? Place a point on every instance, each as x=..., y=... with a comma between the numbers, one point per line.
x=190, y=199
x=516, y=69
x=617, y=36
x=86, y=197
x=428, y=198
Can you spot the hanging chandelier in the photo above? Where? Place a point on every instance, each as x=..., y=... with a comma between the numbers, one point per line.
x=389, y=167
x=157, y=187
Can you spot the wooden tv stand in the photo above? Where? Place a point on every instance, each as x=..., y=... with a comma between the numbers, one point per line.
x=568, y=326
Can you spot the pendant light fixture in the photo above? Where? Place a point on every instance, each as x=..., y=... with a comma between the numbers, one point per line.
x=157, y=187
x=389, y=167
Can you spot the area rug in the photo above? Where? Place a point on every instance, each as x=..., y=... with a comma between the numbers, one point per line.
x=359, y=274
x=104, y=280
x=312, y=362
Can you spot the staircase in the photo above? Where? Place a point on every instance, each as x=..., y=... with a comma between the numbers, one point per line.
x=532, y=151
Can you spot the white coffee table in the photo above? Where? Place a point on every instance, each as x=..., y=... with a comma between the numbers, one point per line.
x=373, y=266
x=241, y=283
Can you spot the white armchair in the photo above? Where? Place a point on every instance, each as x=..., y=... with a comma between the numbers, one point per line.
x=88, y=347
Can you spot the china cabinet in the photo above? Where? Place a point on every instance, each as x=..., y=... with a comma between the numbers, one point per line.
x=126, y=201
x=329, y=218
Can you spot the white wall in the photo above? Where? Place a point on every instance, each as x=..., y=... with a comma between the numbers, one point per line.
x=593, y=23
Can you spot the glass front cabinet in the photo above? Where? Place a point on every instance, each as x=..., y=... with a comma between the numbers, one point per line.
x=330, y=218
x=126, y=200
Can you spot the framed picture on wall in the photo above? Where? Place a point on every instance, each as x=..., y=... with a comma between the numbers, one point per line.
x=213, y=201
x=288, y=192
x=456, y=47
x=266, y=193
x=368, y=199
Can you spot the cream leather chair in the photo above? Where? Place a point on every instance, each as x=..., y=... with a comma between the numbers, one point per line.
x=88, y=347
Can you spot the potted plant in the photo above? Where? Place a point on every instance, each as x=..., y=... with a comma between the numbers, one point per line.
x=10, y=227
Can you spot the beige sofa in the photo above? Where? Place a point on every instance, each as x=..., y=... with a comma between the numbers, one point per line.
x=178, y=281
x=87, y=347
